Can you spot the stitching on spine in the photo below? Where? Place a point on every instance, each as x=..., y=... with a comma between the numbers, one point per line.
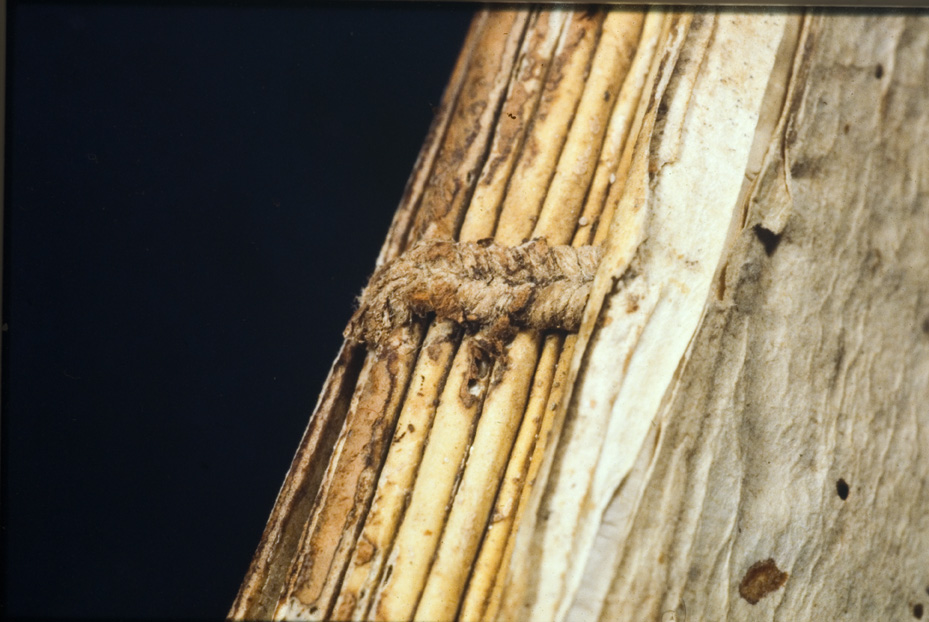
x=486, y=287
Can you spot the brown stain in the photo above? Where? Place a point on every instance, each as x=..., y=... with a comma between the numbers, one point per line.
x=582, y=26
x=446, y=194
x=348, y=497
x=513, y=122
x=345, y=608
x=653, y=167
x=434, y=351
x=761, y=579
x=721, y=282
x=659, y=104
x=509, y=130
x=632, y=303
x=804, y=169
x=364, y=551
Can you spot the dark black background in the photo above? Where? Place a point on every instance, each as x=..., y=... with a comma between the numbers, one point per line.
x=195, y=194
